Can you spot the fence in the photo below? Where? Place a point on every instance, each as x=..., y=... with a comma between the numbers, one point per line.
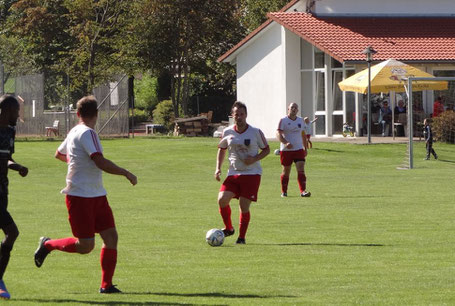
x=112, y=111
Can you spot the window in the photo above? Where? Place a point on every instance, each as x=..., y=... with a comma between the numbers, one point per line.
x=319, y=58
x=337, y=94
x=320, y=91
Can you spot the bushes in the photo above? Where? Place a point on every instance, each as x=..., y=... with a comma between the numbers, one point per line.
x=444, y=127
x=164, y=114
x=139, y=116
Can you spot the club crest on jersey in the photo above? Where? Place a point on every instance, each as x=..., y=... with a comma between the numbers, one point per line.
x=247, y=142
x=299, y=125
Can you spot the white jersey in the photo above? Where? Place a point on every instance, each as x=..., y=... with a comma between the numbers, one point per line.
x=84, y=178
x=308, y=128
x=292, y=130
x=241, y=145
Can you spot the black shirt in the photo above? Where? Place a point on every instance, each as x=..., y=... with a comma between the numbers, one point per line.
x=7, y=136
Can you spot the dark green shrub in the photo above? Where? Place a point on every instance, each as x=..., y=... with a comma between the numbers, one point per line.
x=164, y=114
x=443, y=127
x=140, y=115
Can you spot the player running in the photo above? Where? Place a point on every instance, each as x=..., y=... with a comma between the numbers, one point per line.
x=88, y=208
x=244, y=175
x=9, y=112
x=293, y=148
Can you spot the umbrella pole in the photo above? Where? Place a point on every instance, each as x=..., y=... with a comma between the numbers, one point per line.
x=393, y=114
x=369, y=103
x=410, y=123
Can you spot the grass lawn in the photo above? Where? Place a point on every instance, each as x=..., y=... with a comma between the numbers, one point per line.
x=369, y=234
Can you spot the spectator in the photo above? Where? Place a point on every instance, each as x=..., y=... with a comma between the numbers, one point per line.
x=385, y=118
x=438, y=107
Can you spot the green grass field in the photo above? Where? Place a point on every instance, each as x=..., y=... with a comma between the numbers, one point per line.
x=370, y=234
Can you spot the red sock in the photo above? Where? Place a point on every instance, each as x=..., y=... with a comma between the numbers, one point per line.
x=284, y=183
x=108, y=261
x=65, y=245
x=244, y=222
x=226, y=215
x=302, y=181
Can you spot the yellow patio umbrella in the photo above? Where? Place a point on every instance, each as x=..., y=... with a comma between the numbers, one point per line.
x=390, y=75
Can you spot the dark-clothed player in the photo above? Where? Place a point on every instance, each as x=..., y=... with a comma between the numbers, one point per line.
x=9, y=112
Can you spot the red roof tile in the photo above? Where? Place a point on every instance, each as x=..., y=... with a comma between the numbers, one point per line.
x=400, y=38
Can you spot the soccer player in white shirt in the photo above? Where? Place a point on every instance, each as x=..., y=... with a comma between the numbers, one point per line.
x=293, y=148
x=88, y=208
x=244, y=175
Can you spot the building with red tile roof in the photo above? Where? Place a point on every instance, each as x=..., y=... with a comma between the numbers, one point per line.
x=301, y=52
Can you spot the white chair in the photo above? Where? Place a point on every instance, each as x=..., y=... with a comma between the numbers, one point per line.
x=53, y=129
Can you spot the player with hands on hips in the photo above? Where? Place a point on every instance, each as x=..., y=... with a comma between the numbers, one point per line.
x=293, y=148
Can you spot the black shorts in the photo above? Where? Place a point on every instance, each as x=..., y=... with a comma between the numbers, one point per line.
x=5, y=217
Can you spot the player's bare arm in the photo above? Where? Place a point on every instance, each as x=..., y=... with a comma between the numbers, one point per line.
x=252, y=159
x=60, y=156
x=23, y=171
x=305, y=141
x=110, y=167
x=219, y=162
x=280, y=137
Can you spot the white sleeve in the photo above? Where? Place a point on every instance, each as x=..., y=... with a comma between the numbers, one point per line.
x=62, y=147
x=281, y=125
x=223, y=143
x=262, y=141
x=91, y=143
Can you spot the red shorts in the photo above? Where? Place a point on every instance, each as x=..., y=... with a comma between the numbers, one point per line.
x=287, y=157
x=308, y=136
x=245, y=186
x=88, y=216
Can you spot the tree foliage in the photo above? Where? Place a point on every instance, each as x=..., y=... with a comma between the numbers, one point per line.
x=86, y=42
x=69, y=37
x=183, y=38
x=255, y=11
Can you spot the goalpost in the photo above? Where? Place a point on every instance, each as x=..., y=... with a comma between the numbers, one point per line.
x=410, y=114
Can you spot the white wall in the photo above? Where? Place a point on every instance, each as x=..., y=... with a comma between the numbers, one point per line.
x=292, y=74
x=385, y=7
x=268, y=77
x=260, y=82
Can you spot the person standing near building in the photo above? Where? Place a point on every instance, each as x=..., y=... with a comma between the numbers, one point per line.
x=438, y=107
x=247, y=146
x=385, y=118
x=88, y=208
x=308, y=129
x=293, y=148
x=428, y=135
x=9, y=113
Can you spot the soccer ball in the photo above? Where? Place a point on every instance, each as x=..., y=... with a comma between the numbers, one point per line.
x=214, y=237
x=277, y=152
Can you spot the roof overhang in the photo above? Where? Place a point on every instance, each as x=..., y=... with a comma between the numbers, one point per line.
x=410, y=39
x=230, y=55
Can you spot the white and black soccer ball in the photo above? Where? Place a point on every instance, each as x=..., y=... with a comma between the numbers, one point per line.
x=277, y=152
x=214, y=237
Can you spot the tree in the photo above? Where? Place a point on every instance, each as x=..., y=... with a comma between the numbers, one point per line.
x=182, y=37
x=255, y=11
x=69, y=38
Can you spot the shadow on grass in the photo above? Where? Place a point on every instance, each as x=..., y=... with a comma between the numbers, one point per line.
x=82, y=302
x=329, y=244
x=202, y=294
x=328, y=150
x=215, y=294
x=447, y=161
